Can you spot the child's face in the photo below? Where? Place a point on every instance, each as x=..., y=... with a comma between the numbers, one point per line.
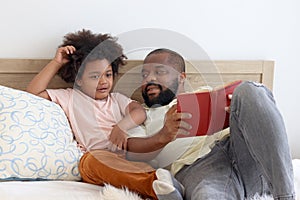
x=97, y=79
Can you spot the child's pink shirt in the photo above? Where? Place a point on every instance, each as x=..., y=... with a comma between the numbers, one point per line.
x=91, y=120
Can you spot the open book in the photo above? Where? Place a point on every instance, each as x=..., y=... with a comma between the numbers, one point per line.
x=207, y=108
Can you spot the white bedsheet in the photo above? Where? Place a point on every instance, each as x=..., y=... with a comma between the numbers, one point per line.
x=44, y=190
x=70, y=190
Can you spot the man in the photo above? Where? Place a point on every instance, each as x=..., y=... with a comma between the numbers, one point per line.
x=253, y=159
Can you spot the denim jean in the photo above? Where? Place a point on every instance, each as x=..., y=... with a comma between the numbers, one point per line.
x=254, y=159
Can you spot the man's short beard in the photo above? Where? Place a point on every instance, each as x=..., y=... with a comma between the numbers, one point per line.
x=164, y=97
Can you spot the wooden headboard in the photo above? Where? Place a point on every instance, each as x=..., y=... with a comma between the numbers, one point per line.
x=17, y=73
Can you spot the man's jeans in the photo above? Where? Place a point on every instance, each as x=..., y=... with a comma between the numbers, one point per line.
x=255, y=159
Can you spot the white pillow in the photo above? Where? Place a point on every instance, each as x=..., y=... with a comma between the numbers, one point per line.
x=36, y=141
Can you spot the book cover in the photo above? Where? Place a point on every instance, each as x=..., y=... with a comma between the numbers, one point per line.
x=207, y=108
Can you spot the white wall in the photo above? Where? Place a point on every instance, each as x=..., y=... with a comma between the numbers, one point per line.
x=233, y=29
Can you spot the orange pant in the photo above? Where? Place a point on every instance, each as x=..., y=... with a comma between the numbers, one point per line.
x=100, y=166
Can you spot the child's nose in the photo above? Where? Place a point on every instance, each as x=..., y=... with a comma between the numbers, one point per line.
x=102, y=80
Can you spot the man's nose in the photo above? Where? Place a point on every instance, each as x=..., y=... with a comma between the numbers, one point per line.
x=151, y=78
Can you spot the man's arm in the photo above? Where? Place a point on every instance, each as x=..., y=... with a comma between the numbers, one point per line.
x=147, y=148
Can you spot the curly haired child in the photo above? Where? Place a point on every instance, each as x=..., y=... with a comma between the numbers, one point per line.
x=90, y=61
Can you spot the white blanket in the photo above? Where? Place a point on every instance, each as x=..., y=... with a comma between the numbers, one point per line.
x=70, y=190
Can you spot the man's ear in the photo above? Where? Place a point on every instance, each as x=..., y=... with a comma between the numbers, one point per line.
x=181, y=80
x=182, y=77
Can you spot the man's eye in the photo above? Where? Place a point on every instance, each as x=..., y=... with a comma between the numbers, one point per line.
x=161, y=72
x=144, y=75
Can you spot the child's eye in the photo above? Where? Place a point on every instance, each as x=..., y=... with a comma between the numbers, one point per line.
x=108, y=75
x=95, y=77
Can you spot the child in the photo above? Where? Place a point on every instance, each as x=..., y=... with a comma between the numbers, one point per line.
x=99, y=118
x=92, y=76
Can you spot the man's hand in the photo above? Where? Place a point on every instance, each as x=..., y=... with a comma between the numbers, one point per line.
x=227, y=108
x=118, y=139
x=174, y=124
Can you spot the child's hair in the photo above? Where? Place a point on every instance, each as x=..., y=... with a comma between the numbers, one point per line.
x=90, y=47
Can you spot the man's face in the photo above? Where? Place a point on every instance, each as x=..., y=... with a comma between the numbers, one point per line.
x=160, y=80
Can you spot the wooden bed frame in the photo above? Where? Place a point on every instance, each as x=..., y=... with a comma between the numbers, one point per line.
x=17, y=73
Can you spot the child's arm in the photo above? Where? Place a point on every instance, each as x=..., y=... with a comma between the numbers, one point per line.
x=135, y=115
x=39, y=83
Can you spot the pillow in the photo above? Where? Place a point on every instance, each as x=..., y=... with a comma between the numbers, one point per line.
x=36, y=141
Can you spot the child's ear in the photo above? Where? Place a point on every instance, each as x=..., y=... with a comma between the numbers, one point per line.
x=78, y=82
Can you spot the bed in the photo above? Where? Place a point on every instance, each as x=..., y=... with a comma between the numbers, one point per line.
x=51, y=158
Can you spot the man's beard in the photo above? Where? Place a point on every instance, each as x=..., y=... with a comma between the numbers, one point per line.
x=164, y=97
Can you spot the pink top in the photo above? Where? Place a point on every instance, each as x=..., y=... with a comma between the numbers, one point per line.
x=91, y=120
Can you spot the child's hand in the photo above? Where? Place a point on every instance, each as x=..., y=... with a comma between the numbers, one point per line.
x=118, y=139
x=62, y=53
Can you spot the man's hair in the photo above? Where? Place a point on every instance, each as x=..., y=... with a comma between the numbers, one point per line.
x=90, y=47
x=174, y=58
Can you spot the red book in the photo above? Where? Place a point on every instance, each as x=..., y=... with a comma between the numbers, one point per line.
x=207, y=108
